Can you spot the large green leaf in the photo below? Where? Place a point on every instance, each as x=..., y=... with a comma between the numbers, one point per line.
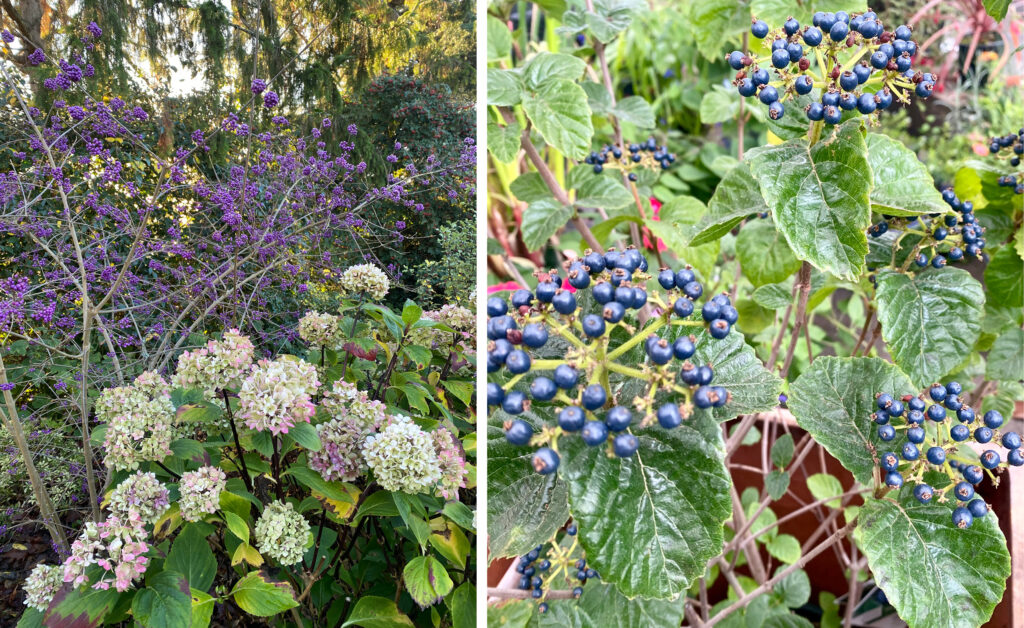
x=903, y=185
x=714, y=21
x=649, y=523
x=606, y=191
x=559, y=110
x=166, y=602
x=529, y=187
x=377, y=612
x=737, y=368
x=763, y=253
x=996, y=8
x=978, y=181
x=1006, y=358
x=511, y=614
x=819, y=197
x=504, y=87
x=499, y=39
x=541, y=220
x=635, y=110
x=934, y=574
x=523, y=507
x=1004, y=279
x=426, y=580
x=930, y=321
x=551, y=66
x=736, y=197
x=258, y=594
x=676, y=222
x=192, y=557
x=833, y=400
x=463, y=605
x=503, y=141
x=603, y=605
x=83, y=607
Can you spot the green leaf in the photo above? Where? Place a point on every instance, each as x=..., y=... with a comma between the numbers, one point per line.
x=782, y=450
x=833, y=400
x=786, y=620
x=1004, y=279
x=460, y=514
x=314, y=481
x=719, y=105
x=676, y=222
x=794, y=590
x=522, y=505
x=776, y=483
x=237, y=525
x=736, y=197
x=903, y=185
x=499, y=39
x=823, y=486
x=714, y=21
x=202, y=608
x=463, y=605
x=763, y=253
x=192, y=557
x=559, y=111
x=635, y=110
x=529, y=187
x=598, y=98
x=738, y=369
x=411, y=511
x=546, y=67
x=258, y=594
x=673, y=512
x=503, y=141
x=930, y=321
x=1006, y=358
x=411, y=312
x=504, y=88
x=784, y=547
x=603, y=605
x=819, y=197
x=511, y=614
x=377, y=612
x=426, y=580
x=166, y=602
x=541, y=220
x=603, y=191
x=83, y=607
x=31, y=618
x=305, y=434
x=996, y=8
x=773, y=296
x=933, y=573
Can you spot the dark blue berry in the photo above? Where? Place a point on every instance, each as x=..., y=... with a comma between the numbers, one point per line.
x=953, y=402
x=964, y=491
x=603, y=292
x=1011, y=440
x=564, y=302
x=886, y=432
x=923, y=493
x=803, y=85
x=594, y=262
x=669, y=416
x=518, y=362
x=1015, y=457
x=866, y=103
x=937, y=392
x=546, y=291
x=910, y=452
x=499, y=350
x=593, y=325
x=735, y=59
x=812, y=36
x=916, y=435
x=667, y=279
x=815, y=111
x=594, y=433
x=683, y=307
x=791, y=26
x=579, y=278
x=936, y=455
x=847, y=101
x=594, y=396
x=545, y=461
x=769, y=94
x=518, y=432
x=571, y=419
x=965, y=414
x=893, y=479
x=496, y=306
x=902, y=32
x=565, y=376
x=719, y=329
x=625, y=445
x=613, y=312
x=978, y=508
x=960, y=432
x=780, y=59
x=915, y=417
x=862, y=71
x=839, y=31
x=962, y=518
x=618, y=418
x=759, y=29
x=833, y=115
x=889, y=461
x=535, y=335
x=514, y=402
x=993, y=419
x=895, y=409
x=495, y=394
x=936, y=412
x=543, y=389
x=692, y=289
x=639, y=298
x=521, y=298
x=990, y=459
x=879, y=60
x=683, y=348
x=659, y=351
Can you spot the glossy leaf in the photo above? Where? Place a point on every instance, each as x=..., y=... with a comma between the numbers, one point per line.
x=541, y=220
x=83, y=607
x=426, y=580
x=503, y=141
x=819, y=197
x=933, y=573
x=504, y=88
x=929, y=321
x=673, y=512
x=377, y=612
x=635, y=110
x=545, y=67
x=675, y=225
x=165, y=602
x=903, y=186
x=736, y=197
x=764, y=255
x=833, y=400
x=192, y=557
x=1006, y=358
x=258, y=594
x=738, y=369
x=602, y=605
x=559, y=111
x=306, y=435
x=1004, y=279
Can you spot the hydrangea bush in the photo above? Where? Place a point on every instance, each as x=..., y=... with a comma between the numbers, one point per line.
x=706, y=373
x=259, y=487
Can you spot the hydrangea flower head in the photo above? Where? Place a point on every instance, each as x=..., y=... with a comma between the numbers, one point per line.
x=277, y=395
x=281, y=533
x=219, y=365
x=140, y=498
x=200, y=492
x=140, y=422
x=402, y=457
x=117, y=546
x=452, y=461
x=366, y=278
x=41, y=585
x=322, y=330
x=346, y=402
x=339, y=458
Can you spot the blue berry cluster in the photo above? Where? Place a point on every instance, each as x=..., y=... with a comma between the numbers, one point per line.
x=859, y=65
x=539, y=567
x=1014, y=142
x=580, y=383
x=945, y=237
x=926, y=449
x=645, y=155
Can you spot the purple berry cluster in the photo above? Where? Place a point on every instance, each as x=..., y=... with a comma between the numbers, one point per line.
x=945, y=238
x=579, y=380
x=936, y=447
x=539, y=567
x=1014, y=143
x=647, y=154
x=858, y=65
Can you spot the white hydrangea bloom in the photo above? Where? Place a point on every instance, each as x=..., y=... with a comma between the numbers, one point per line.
x=320, y=330
x=140, y=422
x=365, y=278
x=277, y=395
x=220, y=364
x=402, y=457
x=140, y=498
x=200, y=492
x=345, y=401
x=281, y=533
x=41, y=585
